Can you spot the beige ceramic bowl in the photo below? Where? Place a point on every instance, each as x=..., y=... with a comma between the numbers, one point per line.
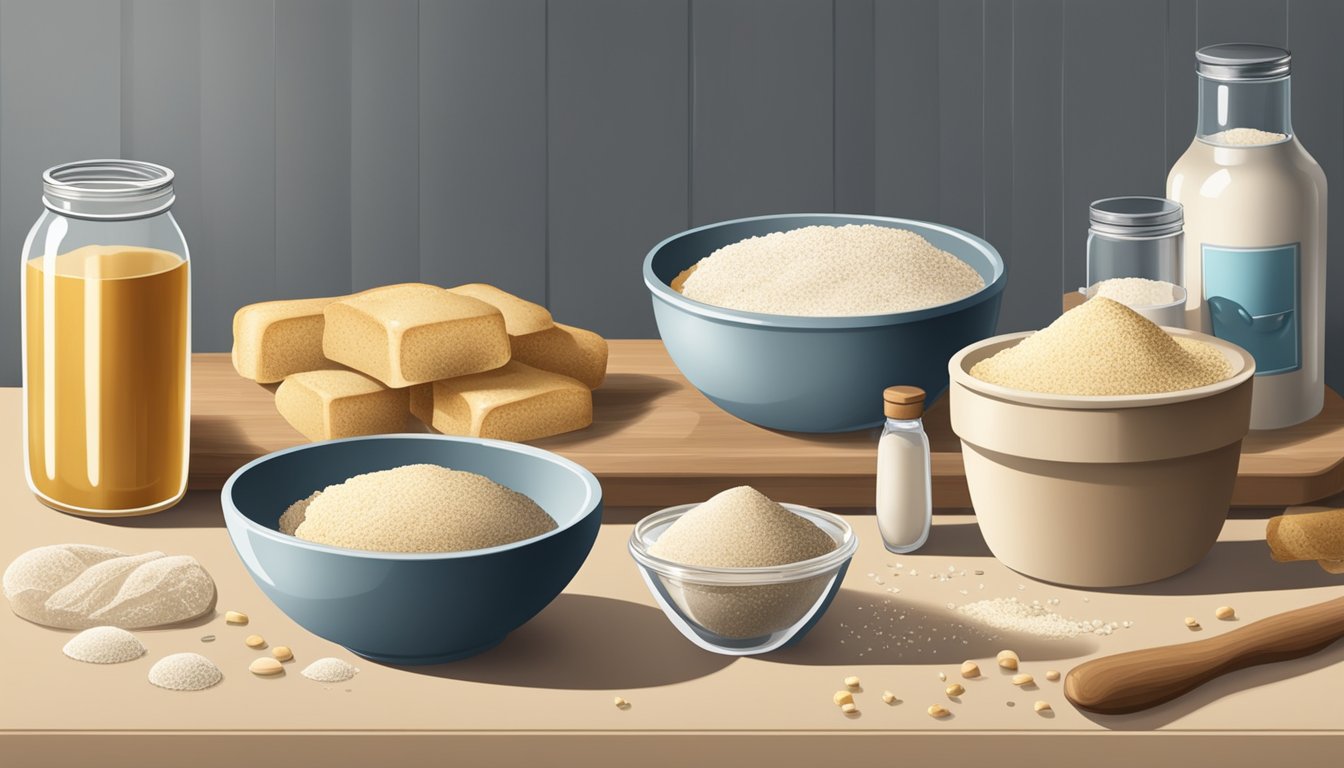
x=1099, y=491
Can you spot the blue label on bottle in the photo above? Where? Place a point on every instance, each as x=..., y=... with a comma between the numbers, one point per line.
x=1253, y=295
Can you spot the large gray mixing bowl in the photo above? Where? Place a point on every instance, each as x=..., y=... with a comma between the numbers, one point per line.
x=815, y=374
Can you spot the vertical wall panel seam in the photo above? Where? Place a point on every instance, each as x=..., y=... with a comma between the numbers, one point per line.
x=419, y=113
x=419, y=139
x=275, y=174
x=984, y=108
x=690, y=113
x=121, y=80
x=1166, y=86
x=938, y=100
x=1063, y=205
x=200, y=152
x=9, y=375
x=126, y=79
x=835, y=132
x=546, y=151
x=350, y=144
x=349, y=80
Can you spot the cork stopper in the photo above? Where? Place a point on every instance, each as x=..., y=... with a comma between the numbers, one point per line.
x=903, y=402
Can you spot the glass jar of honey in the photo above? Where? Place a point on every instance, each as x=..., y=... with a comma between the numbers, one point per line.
x=106, y=341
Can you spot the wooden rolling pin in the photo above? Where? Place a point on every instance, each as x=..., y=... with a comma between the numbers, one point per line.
x=1137, y=680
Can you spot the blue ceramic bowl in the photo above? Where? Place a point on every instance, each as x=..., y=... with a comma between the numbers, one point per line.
x=411, y=608
x=815, y=374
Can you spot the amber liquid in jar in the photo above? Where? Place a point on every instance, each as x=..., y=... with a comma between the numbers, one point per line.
x=107, y=389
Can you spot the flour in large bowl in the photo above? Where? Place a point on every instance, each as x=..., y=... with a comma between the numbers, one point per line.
x=825, y=271
x=416, y=508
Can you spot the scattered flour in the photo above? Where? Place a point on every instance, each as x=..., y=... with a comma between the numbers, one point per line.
x=1013, y=615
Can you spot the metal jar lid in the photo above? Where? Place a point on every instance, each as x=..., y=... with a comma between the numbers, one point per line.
x=1242, y=61
x=108, y=189
x=1136, y=216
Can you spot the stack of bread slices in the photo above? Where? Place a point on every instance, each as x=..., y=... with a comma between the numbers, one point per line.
x=471, y=360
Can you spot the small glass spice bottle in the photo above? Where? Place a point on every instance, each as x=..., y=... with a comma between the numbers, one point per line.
x=904, y=497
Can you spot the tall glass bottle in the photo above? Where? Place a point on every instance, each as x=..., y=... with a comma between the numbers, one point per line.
x=1255, y=229
x=106, y=341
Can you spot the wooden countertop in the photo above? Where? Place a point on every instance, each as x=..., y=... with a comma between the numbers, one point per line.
x=657, y=441
x=544, y=696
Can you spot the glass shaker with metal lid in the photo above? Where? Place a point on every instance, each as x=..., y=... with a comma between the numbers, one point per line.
x=1134, y=256
x=106, y=341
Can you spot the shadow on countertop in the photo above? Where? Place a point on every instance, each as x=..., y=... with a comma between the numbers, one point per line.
x=861, y=628
x=1228, y=685
x=622, y=399
x=1230, y=566
x=1237, y=566
x=638, y=647
x=960, y=539
x=198, y=509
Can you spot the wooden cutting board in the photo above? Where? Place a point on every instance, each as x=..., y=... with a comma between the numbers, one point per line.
x=656, y=441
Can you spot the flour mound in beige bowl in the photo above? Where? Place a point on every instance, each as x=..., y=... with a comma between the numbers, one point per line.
x=416, y=508
x=1103, y=347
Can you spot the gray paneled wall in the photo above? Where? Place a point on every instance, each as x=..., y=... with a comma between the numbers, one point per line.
x=329, y=145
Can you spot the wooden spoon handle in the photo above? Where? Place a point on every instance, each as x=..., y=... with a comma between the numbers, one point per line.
x=1129, y=682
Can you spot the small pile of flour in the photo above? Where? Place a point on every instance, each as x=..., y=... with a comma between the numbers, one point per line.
x=104, y=645
x=329, y=670
x=185, y=672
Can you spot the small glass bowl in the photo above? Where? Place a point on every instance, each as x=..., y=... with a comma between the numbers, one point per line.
x=744, y=611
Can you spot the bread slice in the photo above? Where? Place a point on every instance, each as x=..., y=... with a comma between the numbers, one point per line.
x=516, y=402
x=273, y=339
x=520, y=315
x=565, y=350
x=325, y=405
x=414, y=333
